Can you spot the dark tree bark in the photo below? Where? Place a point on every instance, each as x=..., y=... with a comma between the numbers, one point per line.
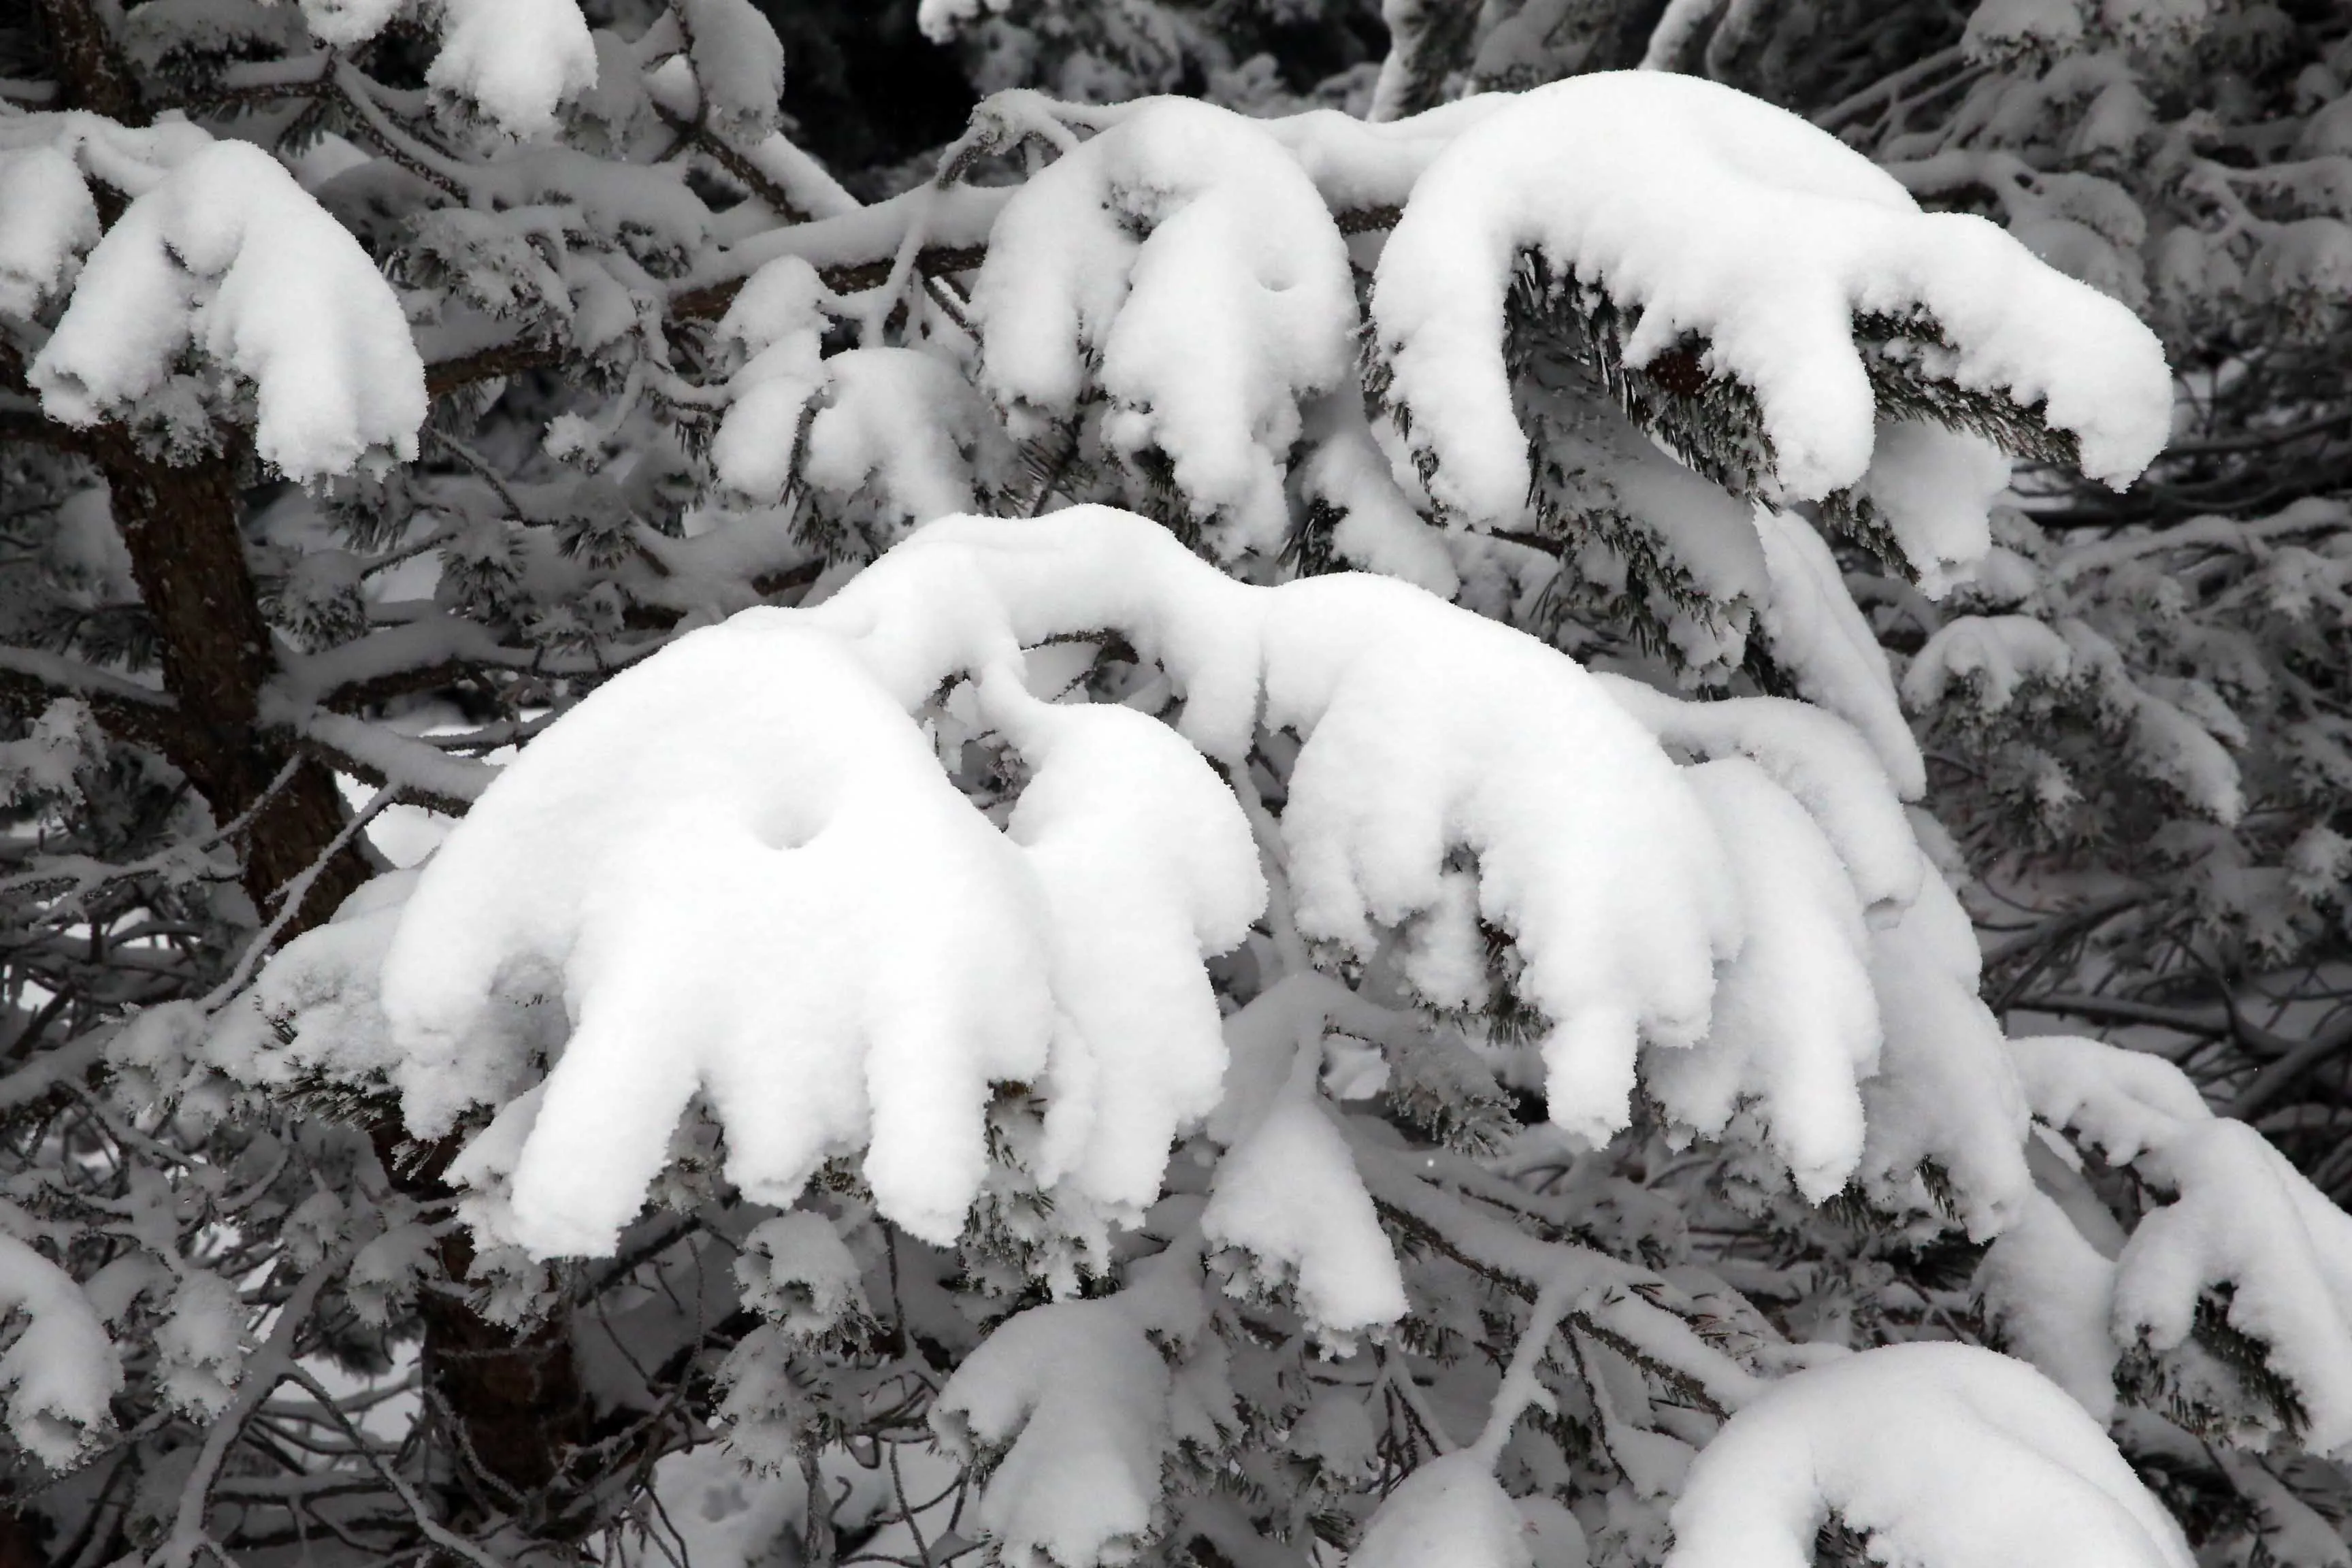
x=512, y=1404
x=187, y=556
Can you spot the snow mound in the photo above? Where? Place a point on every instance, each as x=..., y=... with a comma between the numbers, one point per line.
x=227, y=255
x=1449, y=1513
x=765, y=778
x=1906, y=1443
x=1733, y=221
x=1288, y=1194
x=2242, y=1223
x=517, y=61
x=62, y=1370
x=1183, y=264
x=47, y=222
x=1074, y=1399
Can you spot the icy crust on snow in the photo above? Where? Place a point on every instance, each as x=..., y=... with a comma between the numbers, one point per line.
x=1906, y=1443
x=227, y=255
x=62, y=1370
x=1183, y=266
x=1736, y=222
x=2240, y=1215
x=760, y=788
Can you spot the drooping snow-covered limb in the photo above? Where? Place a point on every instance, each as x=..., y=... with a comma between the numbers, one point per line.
x=414, y=771
x=1361, y=667
x=2241, y=1220
x=1238, y=262
x=1827, y=239
x=1288, y=1195
x=1071, y=1401
x=1905, y=1443
x=1520, y=1388
x=229, y=255
x=1365, y=171
x=62, y=1370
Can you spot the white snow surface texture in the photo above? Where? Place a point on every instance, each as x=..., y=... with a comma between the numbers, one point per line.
x=1715, y=214
x=761, y=789
x=1943, y=1454
x=226, y=253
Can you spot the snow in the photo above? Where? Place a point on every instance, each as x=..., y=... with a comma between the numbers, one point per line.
x=1359, y=164
x=1738, y=223
x=2240, y=1215
x=1761, y=926
x=62, y=1370
x=724, y=1515
x=2246, y=1217
x=517, y=61
x=1288, y=1195
x=899, y=427
x=1819, y=636
x=2175, y=745
x=1592, y=849
x=1795, y=1022
x=1450, y=1513
x=1144, y=865
x=2001, y=27
x=47, y=222
x=347, y=23
x=1074, y=1397
x=229, y=255
x=1947, y=1091
x=1937, y=488
x=200, y=1344
x=1182, y=263
x=1995, y=655
x=796, y=1272
x=1380, y=529
x=748, y=790
x=2051, y=1293
x=759, y=788
x=1819, y=759
x=1909, y=1444
x=1609, y=480
x=739, y=65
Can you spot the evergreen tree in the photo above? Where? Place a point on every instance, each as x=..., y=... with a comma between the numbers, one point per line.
x=1191, y=844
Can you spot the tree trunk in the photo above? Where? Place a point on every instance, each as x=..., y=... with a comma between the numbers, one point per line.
x=178, y=525
x=512, y=1404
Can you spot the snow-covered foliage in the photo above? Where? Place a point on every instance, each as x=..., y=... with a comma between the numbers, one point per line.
x=1220, y=840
